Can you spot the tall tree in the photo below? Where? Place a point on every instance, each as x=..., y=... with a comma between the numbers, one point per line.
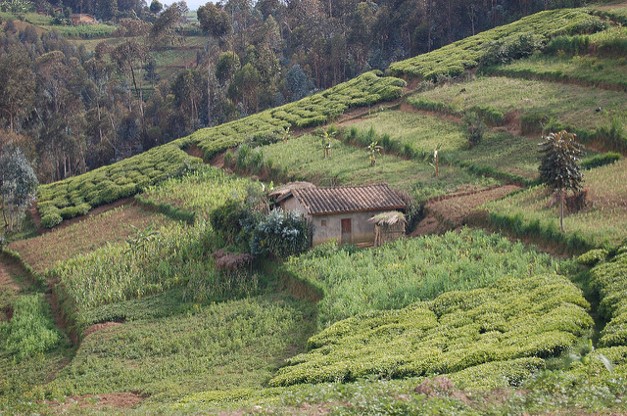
x=559, y=167
x=17, y=89
x=18, y=184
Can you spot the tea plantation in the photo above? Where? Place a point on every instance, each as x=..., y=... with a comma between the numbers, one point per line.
x=147, y=306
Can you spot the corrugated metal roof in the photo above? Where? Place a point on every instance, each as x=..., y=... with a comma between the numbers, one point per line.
x=321, y=201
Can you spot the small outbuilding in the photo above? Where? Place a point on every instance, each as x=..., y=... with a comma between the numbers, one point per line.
x=341, y=213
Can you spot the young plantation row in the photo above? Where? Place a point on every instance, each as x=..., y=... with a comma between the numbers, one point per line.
x=78, y=195
x=409, y=270
x=531, y=317
x=498, y=45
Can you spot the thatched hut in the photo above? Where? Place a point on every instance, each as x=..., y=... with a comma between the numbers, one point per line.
x=388, y=226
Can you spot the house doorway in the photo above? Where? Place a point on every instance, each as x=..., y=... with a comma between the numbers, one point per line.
x=347, y=230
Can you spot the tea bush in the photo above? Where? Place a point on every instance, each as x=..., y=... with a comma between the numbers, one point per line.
x=610, y=279
x=405, y=271
x=496, y=45
x=530, y=317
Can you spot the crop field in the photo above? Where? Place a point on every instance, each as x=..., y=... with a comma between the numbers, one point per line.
x=409, y=270
x=610, y=279
x=534, y=317
x=468, y=53
x=77, y=195
x=196, y=194
x=571, y=105
x=422, y=132
x=499, y=154
x=43, y=252
x=236, y=343
x=588, y=70
x=602, y=224
x=302, y=159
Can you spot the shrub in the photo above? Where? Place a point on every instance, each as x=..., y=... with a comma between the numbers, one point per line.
x=281, y=234
x=234, y=223
x=51, y=219
x=475, y=128
x=31, y=330
x=592, y=257
x=570, y=45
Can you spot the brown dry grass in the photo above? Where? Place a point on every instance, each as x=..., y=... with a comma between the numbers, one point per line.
x=44, y=251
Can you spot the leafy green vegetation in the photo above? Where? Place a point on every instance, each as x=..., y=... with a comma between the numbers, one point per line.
x=225, y=345
x=302, y=159
x=79, y=194
x=31, y=331
x=586, y=70
x=588, y=111
x=531, y=212
x=270, y=125
x=454, y=59
x=610, y=279
x=399, y=273
x=513, y=318
x=196, y=194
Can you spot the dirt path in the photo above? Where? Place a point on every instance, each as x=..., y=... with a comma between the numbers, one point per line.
x=452, y=211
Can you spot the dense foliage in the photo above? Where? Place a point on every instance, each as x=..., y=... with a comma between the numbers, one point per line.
x=405, y=271
x=512, y=318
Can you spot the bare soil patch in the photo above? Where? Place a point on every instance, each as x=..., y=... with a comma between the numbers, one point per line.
x=100, y=327
x=92, y=232
x=100, y=402
x=451, y=211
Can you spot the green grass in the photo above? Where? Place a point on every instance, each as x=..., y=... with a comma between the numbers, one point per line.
x=302, y=159
x=610, y=280
x=500, y=155
x=422, y=132
x=454, y=59
x=512, y=318
x=601, y=225
x=571, y=105
x=406, y=271
x=586, y=70
x=198, y=193
x=84, y=31
x=232, y=344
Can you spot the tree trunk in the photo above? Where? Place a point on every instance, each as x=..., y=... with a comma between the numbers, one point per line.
x=562, y=210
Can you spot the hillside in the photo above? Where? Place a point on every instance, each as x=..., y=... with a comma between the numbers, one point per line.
x=122, y=305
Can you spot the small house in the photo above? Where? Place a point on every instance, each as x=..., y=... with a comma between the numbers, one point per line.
x=341, y=213
x=82, y=19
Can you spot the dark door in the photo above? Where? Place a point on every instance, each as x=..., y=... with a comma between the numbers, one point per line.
x=347, y=230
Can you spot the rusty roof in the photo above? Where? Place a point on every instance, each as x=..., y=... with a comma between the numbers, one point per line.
x=323, y=201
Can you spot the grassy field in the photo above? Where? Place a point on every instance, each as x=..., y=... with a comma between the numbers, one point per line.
x=602, y=224
x=499, y=154
x=196, y=194
x=44, y=251
x=588, y=70
x=409, y=270
x=232, y=344
x=302, y=159
x=571, y=105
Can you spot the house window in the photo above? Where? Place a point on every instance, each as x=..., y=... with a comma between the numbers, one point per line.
x=323, y=223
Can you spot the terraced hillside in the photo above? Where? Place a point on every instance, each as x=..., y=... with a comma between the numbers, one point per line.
x=135, y=311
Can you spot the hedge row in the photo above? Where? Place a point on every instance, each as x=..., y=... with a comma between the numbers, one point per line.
x=499, y=45
x=515, y=318
x=610, y=279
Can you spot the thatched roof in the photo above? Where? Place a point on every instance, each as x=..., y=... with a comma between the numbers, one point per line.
x=388, y=218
